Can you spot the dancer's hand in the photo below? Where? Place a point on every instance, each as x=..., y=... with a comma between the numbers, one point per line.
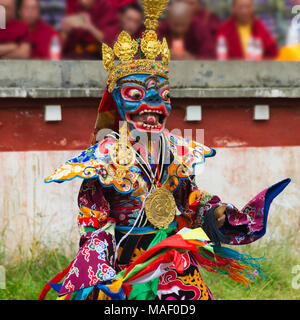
x=220, y=216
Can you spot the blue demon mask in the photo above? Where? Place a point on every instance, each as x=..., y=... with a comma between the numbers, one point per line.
x=143, y=100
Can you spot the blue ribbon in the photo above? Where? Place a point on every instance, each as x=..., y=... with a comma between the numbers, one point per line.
x=142, y=230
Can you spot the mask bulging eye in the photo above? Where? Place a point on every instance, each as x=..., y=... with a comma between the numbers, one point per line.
x=135, y=94
x=132, y=93
x=166, y=95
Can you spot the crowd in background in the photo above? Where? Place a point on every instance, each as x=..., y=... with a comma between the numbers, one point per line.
x=75, y=29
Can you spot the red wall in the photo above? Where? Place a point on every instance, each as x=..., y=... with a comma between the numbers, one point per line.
x=226, y=122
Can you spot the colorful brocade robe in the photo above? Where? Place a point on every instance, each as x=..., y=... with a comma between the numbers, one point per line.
x=109, y=209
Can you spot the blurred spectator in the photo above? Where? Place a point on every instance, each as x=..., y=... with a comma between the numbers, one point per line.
x=14, y=43
x=53, y=11
x=131, y=19
x=208, y=18
x=119, y=4
x=40, y=33
x=71, y=6
x=93, y=22
x=245, y=36
x=187, y=37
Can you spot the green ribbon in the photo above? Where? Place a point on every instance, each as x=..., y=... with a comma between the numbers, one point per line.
x=148, y=290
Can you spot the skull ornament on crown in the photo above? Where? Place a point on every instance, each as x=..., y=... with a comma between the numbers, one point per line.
x=137, y=84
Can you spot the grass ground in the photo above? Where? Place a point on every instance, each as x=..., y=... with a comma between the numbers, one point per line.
x=26, y=277
x=277, y=285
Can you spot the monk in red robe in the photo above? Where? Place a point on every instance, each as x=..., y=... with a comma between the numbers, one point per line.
x=14, y=43
x=40, y=33
x=187, y=37
x=244, y=29
x=93, y=22
x=131, y=20
x=119, y=4
x=206, y=17
x=71, y=6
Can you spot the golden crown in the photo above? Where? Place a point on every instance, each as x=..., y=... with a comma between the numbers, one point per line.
x=138, y=56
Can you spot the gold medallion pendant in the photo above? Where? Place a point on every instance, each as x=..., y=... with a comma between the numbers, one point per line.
x=160, y=208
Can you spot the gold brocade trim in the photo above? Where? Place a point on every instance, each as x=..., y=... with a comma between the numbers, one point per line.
x=122, y=155
x=135, y=67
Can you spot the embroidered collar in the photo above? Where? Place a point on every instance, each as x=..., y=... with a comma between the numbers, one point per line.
x=185, y=156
